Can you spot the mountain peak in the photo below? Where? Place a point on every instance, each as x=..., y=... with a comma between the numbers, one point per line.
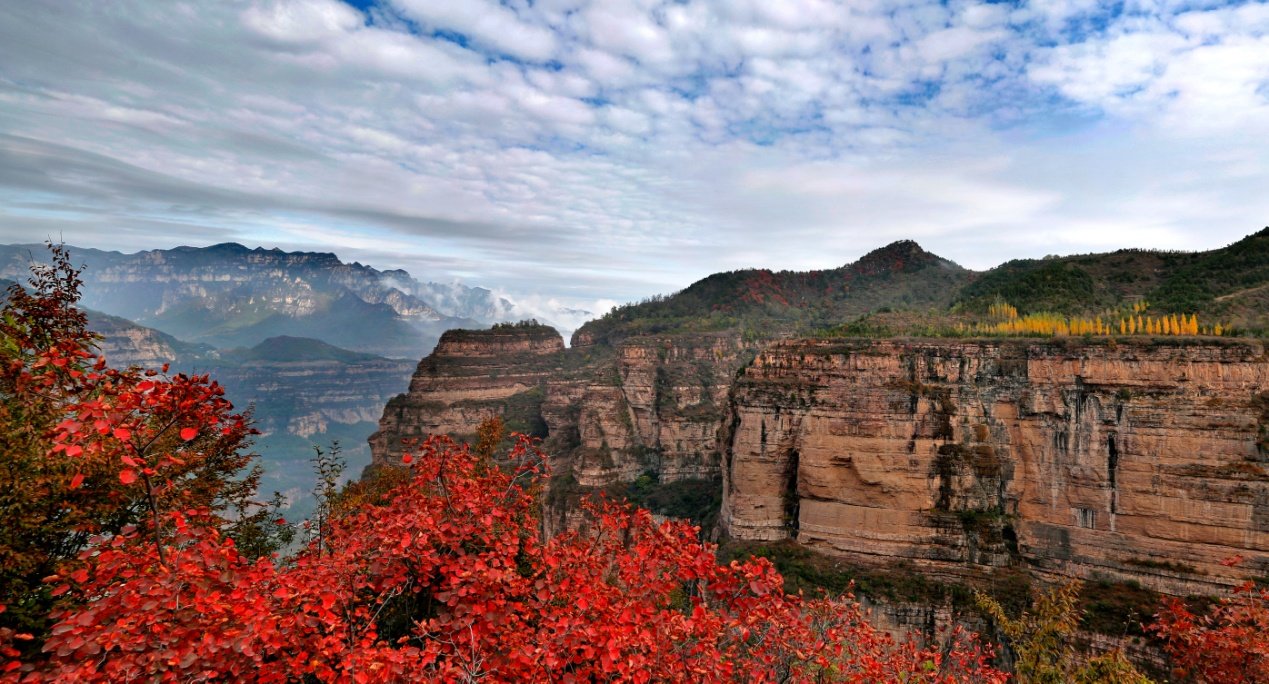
x=897, y=257
x=228, y=247
x=291, y=348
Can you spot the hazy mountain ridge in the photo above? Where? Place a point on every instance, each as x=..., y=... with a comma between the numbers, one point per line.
x=228, y=295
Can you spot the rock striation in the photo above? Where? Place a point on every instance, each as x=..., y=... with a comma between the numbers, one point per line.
x=1144, y=461
x=470, y=377
x=608, y=413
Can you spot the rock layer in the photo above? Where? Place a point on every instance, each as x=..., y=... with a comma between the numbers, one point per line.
x=470, y=377
x=1141, y=461
x=609, y=413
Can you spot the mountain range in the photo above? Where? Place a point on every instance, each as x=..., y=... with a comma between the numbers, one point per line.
x=230, y=296
x=309, y=340
x=902, y=289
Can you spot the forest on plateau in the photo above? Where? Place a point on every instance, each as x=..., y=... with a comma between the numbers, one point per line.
x=135, y=548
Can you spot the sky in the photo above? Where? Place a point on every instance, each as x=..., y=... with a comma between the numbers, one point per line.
x=580, y=153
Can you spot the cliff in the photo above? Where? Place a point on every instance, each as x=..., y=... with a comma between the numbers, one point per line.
x=469, y=377
x=1143, y=461
x=646, y=407
x=642, y=392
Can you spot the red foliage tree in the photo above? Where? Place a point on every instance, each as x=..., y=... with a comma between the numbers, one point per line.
x=443, y=578
x=449, y=580
x=88, y=450
x=1227, y=645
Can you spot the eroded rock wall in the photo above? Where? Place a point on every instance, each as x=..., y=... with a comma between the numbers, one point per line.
x=651, y=405
x=1137, y=461
x=470, y=377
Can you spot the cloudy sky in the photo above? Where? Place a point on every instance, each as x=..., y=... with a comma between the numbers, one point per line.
x=604, y=150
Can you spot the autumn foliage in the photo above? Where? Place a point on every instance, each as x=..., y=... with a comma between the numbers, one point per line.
x=91, y=451
x=1005, y=320
x=1228, y=644
x=450, y=581
x=444, y=577
x=151, y=560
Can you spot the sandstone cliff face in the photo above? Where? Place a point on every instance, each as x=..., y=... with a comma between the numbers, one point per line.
x=609, y=414
x=1130, y=462
x=470, y=377
x=657, y=407
x=1145, y=461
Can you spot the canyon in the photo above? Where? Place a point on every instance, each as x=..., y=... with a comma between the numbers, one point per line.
x=889, y=440
x=1141, y=461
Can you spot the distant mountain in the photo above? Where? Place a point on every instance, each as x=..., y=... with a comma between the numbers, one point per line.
x=286, y=349
x=764, y=303
x=301, y=392
x=230, y=296
x=456, y=299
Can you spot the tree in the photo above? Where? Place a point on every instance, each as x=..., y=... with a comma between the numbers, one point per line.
x=1041, y=641
x=1230, y=644
x=449, y=580
x=87, y=450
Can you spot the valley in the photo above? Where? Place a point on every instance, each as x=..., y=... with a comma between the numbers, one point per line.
x=901, y=438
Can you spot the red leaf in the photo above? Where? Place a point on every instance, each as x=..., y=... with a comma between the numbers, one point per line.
x=74, y=450
x=123, y=434
x=77, y=481
x=188, y=433
x=127, y=476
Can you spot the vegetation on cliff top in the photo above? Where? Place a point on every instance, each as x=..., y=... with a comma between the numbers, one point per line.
x=903, y=290
x=762, y=303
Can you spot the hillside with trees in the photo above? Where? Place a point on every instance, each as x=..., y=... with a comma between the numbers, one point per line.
x=901, y=289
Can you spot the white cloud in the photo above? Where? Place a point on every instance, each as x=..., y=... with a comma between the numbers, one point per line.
x=487, y=22
x=574, y=150
x=300, y=22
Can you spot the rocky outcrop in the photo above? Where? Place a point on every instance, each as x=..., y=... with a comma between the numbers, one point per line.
x=470, y=377
x=1141, y=461
x=609, y=414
